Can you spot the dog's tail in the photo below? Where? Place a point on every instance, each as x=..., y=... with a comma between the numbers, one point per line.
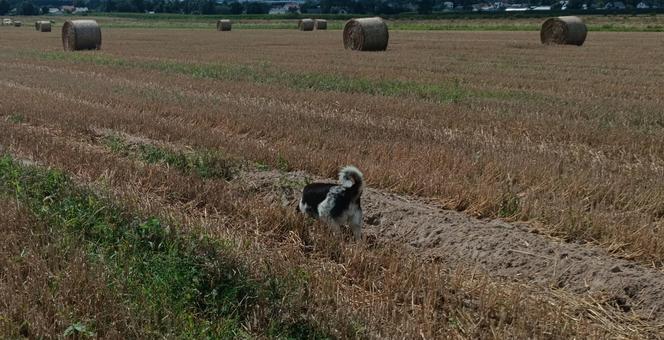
x=351, y=177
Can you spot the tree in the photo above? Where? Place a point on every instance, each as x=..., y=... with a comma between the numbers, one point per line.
x=325, y=6
x=4, y=7
x=467, y=4
x=388, y=7
x=138, y=5
x=236, y=8
x=308, y=5
x=124, y=6
x=369, y=6
x=207, y=7
x=172, y=6
x=223, y=9
x=358, y=7
x=257, y=8
x=425, y=6
x=28, y=8
x=574, y=4
x=108, y=6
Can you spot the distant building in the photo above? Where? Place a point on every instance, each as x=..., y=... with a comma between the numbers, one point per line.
x=615, y=5
x=517, y=8
x=339, y=10
x=484, y=7
x=292, y=7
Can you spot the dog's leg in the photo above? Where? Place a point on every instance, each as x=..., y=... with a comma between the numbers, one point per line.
x=301, y=207
x=336, y=227
x=356, y=226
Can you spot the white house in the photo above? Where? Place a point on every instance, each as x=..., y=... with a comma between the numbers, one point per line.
x=292, y=7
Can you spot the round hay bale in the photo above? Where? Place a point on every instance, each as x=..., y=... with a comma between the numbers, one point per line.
x=366, y=34
x=321, y=24
x=43, y=26
x=563, y=31
x=81, y=35
x=306, y=25
x=224, y=25
x=18, y=24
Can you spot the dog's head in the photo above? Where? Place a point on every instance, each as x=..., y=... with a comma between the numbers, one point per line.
x=350, y=176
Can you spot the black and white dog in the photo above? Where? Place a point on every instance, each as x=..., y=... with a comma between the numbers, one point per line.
x=335, y=204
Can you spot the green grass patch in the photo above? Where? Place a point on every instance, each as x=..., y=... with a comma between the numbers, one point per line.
x=510, y=206
x=78, y=330
x=177, y=285
x=205, y=164
x=15, y=118
x=263, y=74
x=390, y=88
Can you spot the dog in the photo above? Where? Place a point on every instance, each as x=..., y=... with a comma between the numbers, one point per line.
x=334, y=204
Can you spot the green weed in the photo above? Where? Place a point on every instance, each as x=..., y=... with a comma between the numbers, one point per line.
x=15, y=118
x=78, y=329
x=509, y=206
x=205, y=164
x=264, y=74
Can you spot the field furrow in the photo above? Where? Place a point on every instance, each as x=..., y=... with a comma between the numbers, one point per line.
x=371, y=276
x=514, y=188
x=496, y=171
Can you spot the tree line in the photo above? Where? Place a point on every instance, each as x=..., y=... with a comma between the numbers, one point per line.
x=378, y=7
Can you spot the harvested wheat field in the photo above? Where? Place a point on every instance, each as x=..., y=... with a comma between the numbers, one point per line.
x=514, y=188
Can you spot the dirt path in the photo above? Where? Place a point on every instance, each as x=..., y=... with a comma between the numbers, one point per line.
x=510, y=251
